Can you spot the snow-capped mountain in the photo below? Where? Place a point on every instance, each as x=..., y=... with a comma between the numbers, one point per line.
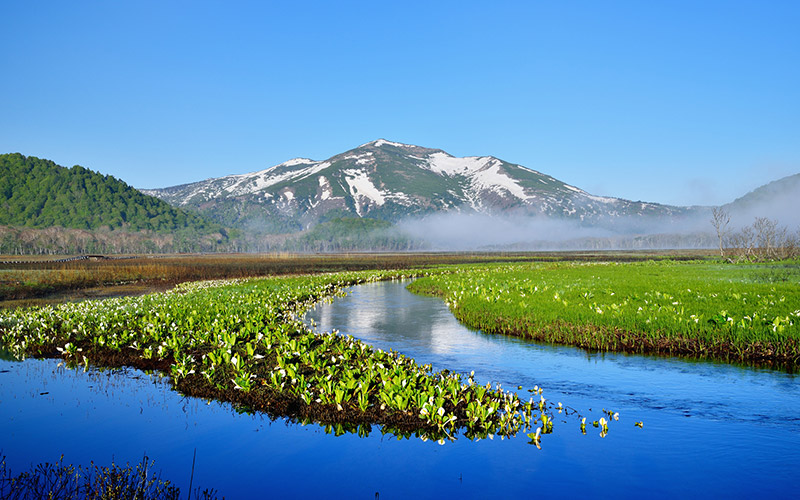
x=391, y=181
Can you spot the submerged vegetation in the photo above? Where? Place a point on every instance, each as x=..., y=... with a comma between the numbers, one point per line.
x=701, y=309
x=242, y=341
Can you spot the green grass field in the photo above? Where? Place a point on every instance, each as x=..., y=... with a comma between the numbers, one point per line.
x=748, y=313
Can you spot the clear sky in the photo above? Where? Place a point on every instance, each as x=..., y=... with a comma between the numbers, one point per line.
x=681, y=102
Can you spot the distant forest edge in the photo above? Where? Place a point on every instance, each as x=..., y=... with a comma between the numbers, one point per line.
x=337, y=235
x=16, y=240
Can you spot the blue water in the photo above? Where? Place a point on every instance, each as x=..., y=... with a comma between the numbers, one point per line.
x=709, y=429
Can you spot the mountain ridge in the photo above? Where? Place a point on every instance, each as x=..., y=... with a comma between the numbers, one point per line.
x=391, y=181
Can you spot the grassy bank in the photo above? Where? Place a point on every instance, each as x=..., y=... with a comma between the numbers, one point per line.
x=241, y=341
x=740, y=313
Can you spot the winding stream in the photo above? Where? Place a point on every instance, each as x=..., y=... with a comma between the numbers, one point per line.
x=709, y=429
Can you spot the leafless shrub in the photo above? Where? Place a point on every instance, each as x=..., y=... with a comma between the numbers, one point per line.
x=762, y=241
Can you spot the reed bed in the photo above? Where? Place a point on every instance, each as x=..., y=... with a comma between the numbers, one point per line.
x=22, y=279
x=40, y=278
x=60, y=481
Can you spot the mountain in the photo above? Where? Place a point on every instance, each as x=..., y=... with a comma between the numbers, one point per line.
x=393, y=181
x=37, y=193
x=778, y=200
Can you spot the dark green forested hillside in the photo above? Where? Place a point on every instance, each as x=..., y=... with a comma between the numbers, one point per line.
x=352, y=233
x=38, y=193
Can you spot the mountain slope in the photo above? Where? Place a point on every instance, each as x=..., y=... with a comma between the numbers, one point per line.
x=392, y=181
x=38, y=193
x=778, y=200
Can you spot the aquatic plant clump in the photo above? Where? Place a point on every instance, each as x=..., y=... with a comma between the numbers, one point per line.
x=60, y=481
x=242, y=341
x=699, y=309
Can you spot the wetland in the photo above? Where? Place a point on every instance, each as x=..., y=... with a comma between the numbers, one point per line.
x=697, y=419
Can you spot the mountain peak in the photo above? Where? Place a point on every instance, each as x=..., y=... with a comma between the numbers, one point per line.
x=383, y=142
x=296, y=161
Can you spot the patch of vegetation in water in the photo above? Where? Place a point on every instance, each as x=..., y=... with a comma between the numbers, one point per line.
x=241, y=341
x=60, y=481
x=698, y=309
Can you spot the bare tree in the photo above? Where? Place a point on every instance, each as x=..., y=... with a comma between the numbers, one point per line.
x=782, y=243
x=720, y=218
x=766, y=232
x=762, y=241
x=791, y=246
x=742, y=244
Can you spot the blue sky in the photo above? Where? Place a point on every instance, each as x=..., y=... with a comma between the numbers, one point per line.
x=680, y=102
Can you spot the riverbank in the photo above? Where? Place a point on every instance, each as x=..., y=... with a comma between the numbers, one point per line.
x=734, y=313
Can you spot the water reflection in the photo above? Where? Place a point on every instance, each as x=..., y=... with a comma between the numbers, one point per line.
x=388, y=316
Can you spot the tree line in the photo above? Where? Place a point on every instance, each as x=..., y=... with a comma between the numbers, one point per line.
x=61, y=241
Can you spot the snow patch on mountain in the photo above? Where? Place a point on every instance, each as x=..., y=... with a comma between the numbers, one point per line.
x=443, y=163
x=493, y=179
x=327, y=191
x=602, y=199
x=382, y=142
x=361, y=187
x=399, y=197
x=362, y=159
x=252, y=183
x=296, y=161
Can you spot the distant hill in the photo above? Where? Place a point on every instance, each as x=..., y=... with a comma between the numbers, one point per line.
x=392, y=181
x=46, y=208
x=38, y=193
x=778, y=200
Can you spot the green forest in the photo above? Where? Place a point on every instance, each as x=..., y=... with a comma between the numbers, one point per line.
x=49, y=209
x=38, y=193
x=351, y=233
